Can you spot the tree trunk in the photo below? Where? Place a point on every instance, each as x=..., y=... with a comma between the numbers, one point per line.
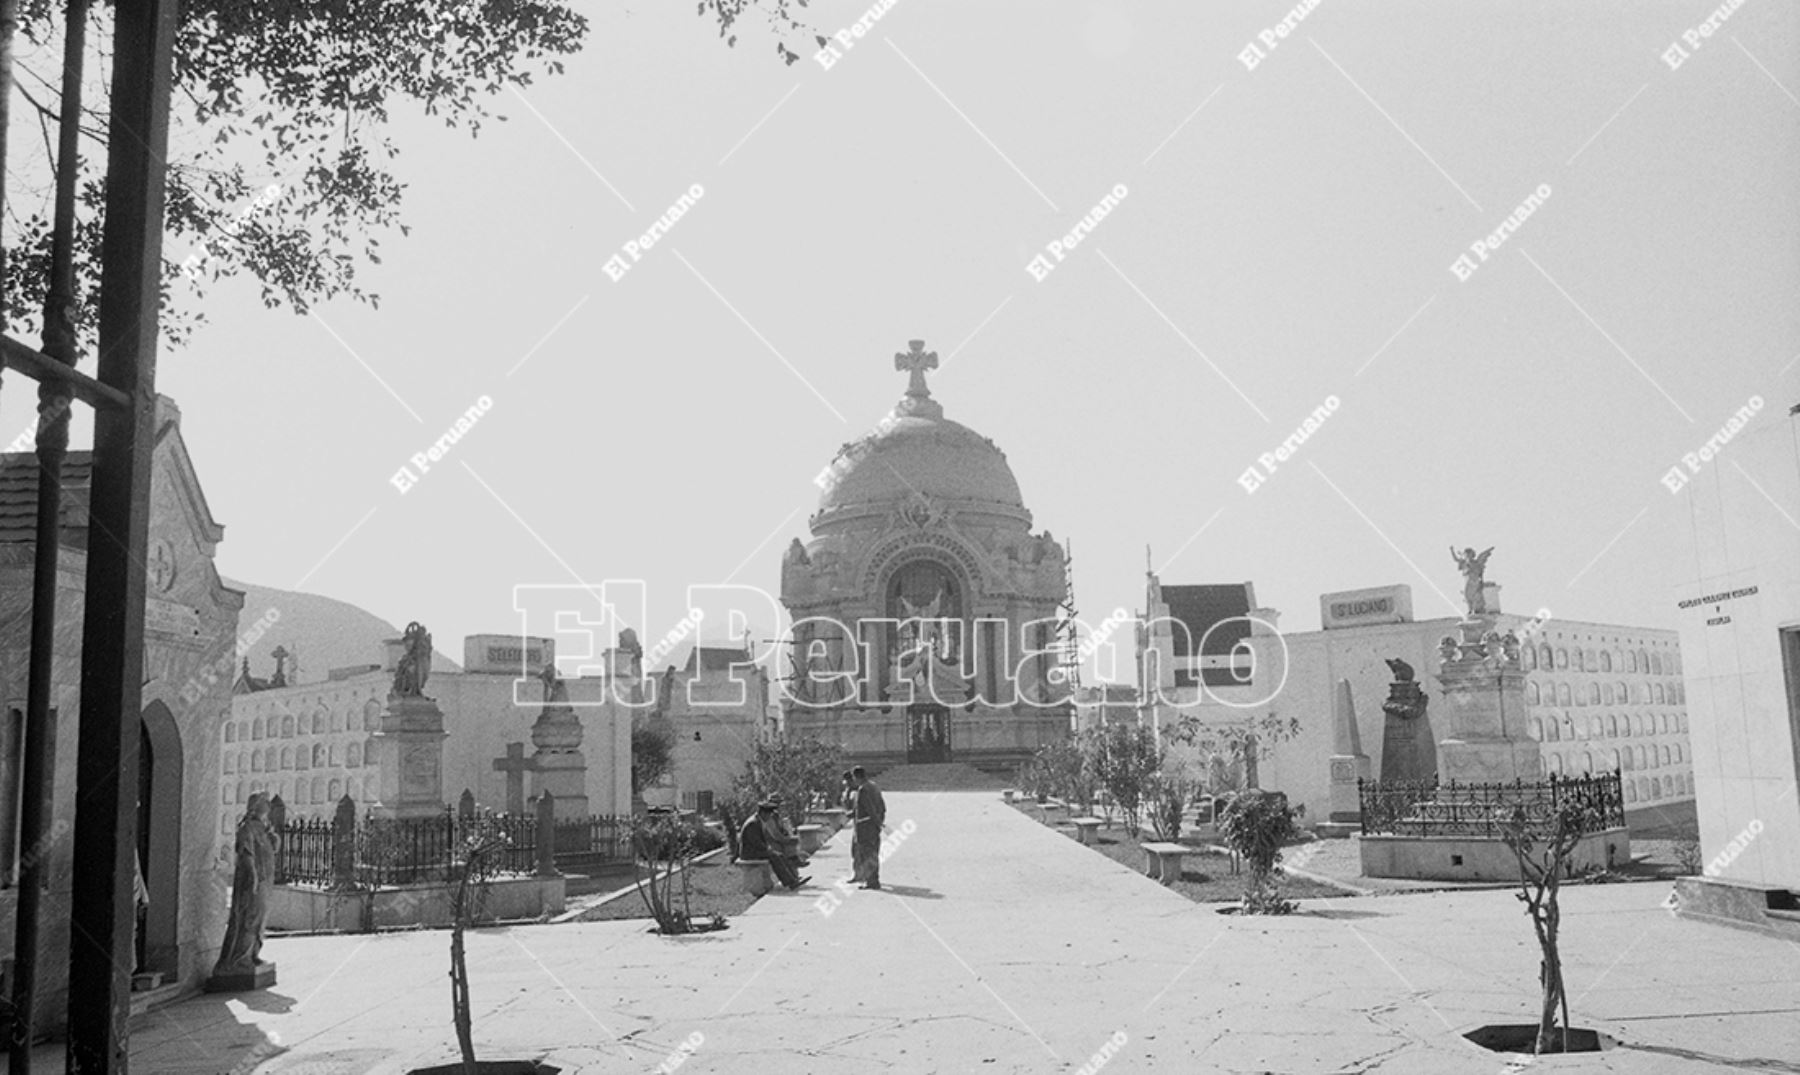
x=459, y=979
x=1547, y=1014
x=1549, y=914
x=459, y=999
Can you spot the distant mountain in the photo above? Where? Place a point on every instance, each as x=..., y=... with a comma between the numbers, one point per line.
x=324, y=633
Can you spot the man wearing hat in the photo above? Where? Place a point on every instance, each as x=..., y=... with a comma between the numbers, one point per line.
x=870, y=813
x=782, y=837
x=753, y=843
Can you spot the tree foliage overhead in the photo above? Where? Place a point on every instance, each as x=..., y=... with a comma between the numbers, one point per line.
x=280, y=160
x=780, y=15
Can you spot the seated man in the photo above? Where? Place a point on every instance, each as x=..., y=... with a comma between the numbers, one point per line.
x=783, y=838
x=753, y=843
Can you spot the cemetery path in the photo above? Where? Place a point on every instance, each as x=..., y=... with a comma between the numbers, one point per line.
x=1003, y=946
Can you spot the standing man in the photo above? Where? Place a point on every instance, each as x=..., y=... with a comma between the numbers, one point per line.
x=849, y=804
x=870, y=813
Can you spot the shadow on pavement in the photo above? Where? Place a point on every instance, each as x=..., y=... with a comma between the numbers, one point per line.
x=913, y=892
x=1344, y=914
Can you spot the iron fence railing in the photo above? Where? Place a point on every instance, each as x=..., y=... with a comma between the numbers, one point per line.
x=370, y=852
x=1430, y=808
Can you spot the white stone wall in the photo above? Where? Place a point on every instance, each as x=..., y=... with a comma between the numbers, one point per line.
x=1746, y=731
x=1315, y=661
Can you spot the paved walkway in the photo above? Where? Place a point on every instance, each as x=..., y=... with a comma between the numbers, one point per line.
x=1002, y=946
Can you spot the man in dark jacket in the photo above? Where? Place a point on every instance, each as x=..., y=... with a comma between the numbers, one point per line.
x=753, y=844
x=870, y=815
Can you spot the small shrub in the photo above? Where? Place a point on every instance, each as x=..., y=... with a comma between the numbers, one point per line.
x=1687, y=856
x=1255, y=825
x=663, y=846
x=665, y=833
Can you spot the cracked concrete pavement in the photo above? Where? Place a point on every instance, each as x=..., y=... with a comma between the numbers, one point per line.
x=1003, y=946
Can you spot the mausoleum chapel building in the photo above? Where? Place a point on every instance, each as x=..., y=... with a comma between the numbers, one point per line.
x=190, y=638
x=312, y=743
x=923, y=556
x=1599, y=696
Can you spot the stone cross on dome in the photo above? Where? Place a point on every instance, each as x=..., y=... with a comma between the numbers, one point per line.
x=918, y=399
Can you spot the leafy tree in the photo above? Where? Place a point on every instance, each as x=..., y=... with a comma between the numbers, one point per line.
x=1255, y=825
x=796, y=767
x=280, y=158
x=1233, y=749
x=652, y=754
x=1065, y=773
x=1543, y=846
x=1124, y=759
x=1169, y=791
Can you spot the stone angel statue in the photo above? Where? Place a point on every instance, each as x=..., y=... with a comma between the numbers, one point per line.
x=1473, y=567
x=415, y=661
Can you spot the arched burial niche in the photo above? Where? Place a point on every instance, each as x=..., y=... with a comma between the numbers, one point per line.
x=160, y=766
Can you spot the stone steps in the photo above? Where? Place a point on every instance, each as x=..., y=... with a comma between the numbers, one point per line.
x=947, y=776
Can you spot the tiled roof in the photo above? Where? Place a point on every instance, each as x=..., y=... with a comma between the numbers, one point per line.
x=716, y=659
x=1199, y=609
x=18, y=497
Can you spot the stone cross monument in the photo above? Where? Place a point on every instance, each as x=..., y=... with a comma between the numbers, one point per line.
x=515, y=765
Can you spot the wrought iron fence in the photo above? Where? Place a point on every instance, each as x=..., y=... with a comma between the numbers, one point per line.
x=601, y=838
x=303, y=852
x=1430, y=808
x=372, y=852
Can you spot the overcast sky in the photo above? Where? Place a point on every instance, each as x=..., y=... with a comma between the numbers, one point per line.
x=1288, y=235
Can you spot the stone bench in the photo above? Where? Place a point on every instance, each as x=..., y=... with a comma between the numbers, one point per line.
x=758, y=877
x=1162, y=861
x=1008, y=794
x=812, y=837
x=833, y=817
x=1086, y=828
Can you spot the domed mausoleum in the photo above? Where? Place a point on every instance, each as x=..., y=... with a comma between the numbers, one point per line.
x=924, y=607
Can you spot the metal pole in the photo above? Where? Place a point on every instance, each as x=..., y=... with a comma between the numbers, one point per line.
x=36, y=777
x=112, y=642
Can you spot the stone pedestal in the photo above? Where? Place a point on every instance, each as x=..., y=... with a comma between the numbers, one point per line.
x=1408, y=747
x=262, y=976
x=409, y=754
x=1486, y=734
x=564, y=776
x=1348, y=765
x=559, y=765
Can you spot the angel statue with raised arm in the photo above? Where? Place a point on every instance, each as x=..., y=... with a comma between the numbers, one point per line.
x=1472, y=567
x=414, y=666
